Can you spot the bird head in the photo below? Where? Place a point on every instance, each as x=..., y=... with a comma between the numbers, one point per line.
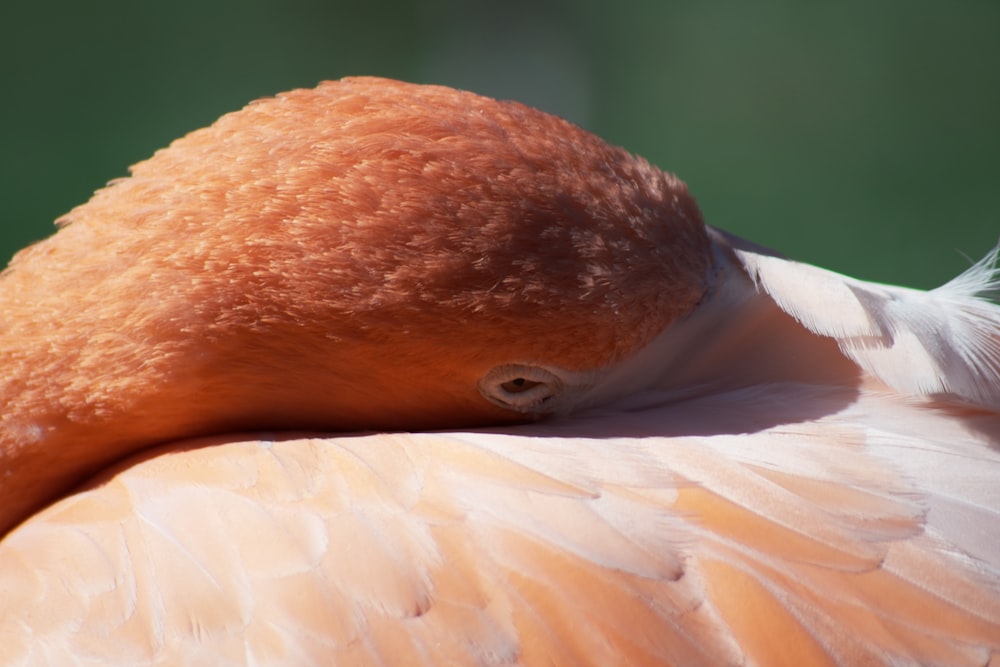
x=367, y=254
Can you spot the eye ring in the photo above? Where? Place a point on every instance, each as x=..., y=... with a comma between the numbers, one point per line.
x=522, y=387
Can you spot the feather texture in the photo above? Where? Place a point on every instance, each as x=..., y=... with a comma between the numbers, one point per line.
x=939, y=342
x=815, y=539
x=736, y=459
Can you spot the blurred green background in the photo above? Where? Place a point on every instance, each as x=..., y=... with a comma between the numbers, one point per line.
x=863, y=136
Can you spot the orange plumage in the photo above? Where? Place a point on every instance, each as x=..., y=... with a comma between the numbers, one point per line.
x=685, y=450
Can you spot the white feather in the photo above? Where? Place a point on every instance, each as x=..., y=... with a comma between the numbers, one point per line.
x=944, y=341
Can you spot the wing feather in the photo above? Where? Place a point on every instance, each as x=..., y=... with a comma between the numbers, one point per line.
x=944, y=341
x=528, y=550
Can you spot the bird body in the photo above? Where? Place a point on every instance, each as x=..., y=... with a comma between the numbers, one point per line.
x=390, y=374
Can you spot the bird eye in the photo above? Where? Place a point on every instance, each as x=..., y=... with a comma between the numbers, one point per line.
x=522, y=387
x=517, y=385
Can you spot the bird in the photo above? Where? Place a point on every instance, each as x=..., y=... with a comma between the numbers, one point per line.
x=383, y=373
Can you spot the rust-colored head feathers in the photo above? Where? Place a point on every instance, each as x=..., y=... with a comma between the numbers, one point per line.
x=355, y=256
x=391, y=200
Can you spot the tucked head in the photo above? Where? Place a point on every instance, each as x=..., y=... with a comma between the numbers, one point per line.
x=367, y=254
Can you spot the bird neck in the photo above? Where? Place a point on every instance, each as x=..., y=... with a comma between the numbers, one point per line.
x=58, y=427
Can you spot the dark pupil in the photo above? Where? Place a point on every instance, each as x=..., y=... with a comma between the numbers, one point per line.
x=517, y=385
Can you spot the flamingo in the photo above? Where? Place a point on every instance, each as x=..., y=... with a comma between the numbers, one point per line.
x=380, y=373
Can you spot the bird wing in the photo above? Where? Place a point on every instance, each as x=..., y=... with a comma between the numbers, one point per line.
x=864, y=536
